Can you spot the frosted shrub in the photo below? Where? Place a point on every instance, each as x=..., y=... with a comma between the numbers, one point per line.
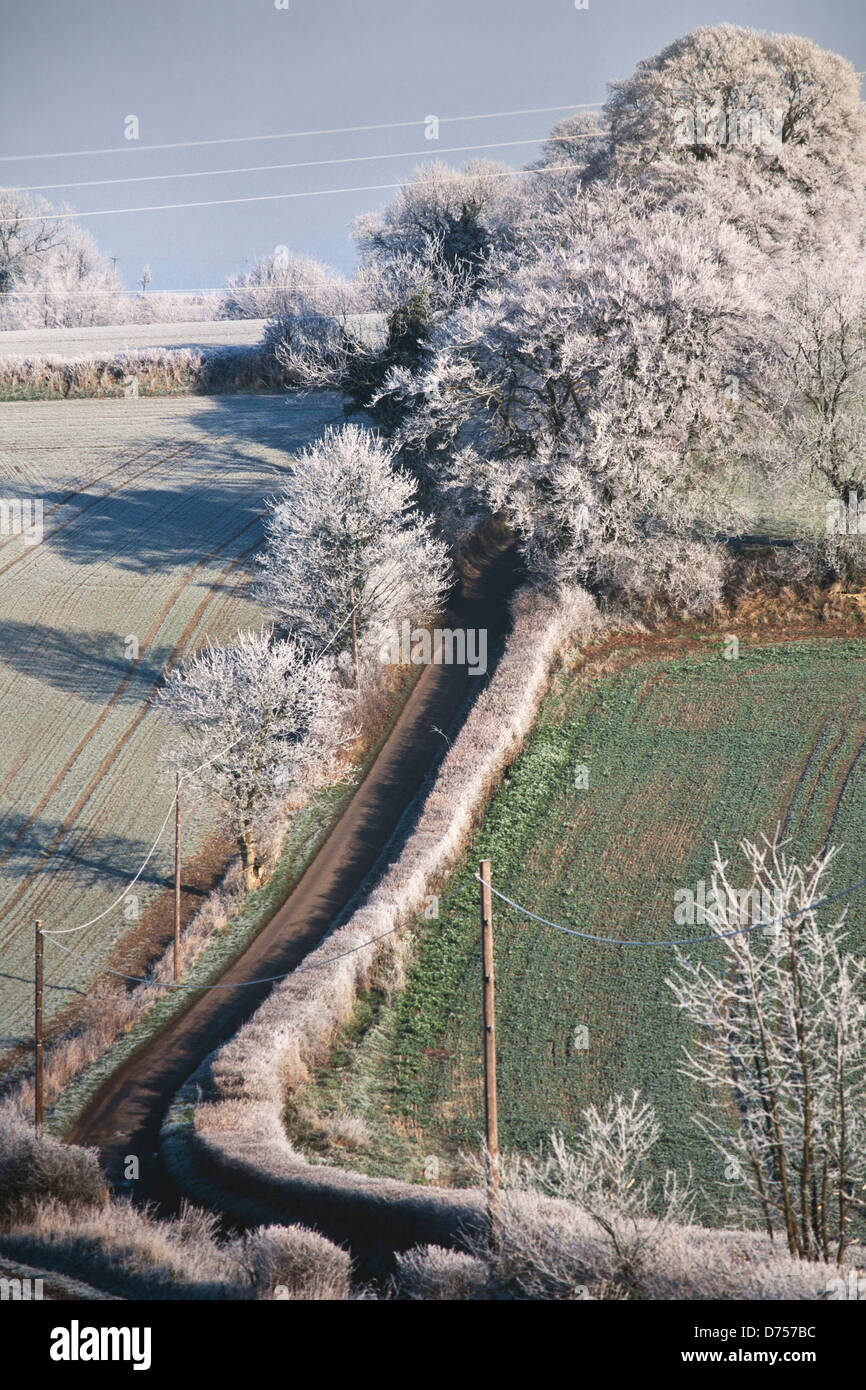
x=34, y=1170
x=295, y=1263
x=430, y=1273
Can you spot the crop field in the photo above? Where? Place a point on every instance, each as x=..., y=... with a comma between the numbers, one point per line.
x=114, y=338
x=681, y=748
x=151, y=515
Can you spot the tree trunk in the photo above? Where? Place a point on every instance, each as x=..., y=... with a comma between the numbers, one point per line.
x=249, y=860
x=355, y=640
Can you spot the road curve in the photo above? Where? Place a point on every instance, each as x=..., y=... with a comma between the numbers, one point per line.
x=125, y=1115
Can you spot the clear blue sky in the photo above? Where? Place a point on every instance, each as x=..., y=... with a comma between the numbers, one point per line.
x=72, y=70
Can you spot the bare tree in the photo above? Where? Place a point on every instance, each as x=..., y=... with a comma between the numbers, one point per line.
x=781, y=1051
x=821, y=396
x=28, y=233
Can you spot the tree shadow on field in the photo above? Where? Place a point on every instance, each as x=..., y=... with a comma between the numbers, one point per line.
x=287, y=421
x=85, y=856
x=206, y=500
x=167, y=526
x=88, y=665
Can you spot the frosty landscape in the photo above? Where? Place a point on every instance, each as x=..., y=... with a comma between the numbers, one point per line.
x=433, y=682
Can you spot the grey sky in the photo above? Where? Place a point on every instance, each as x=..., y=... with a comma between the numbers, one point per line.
x=72, y=70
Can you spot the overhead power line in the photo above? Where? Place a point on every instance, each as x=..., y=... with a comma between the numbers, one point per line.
x=684, y=941
x=296, y=164
x=274, y=197
x=246, y=984
x=383, y=589
x=270, y=198
x=131, y=146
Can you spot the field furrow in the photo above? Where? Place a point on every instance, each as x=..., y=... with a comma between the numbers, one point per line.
x=152, y=516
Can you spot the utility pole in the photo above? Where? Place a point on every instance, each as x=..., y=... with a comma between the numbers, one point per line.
x=37, y=1033
x=491, y=1120
x=177, y=877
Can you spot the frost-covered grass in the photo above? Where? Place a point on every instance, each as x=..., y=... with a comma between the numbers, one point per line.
x=152, y=515
x=56, y=1213
x=178, y=371
x=555, y=1251
x=679, y=750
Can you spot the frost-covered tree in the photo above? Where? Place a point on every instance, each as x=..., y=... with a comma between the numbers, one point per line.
x=585, y=395
x=448, y=217
x=284, y=282
x=421, y=258
x=255, y=719
x=28, y=234
x=723, y=91
x=348, y=552
x=780, y=1048
x=51, y=273
x=766, y=131
x=821, y=358
x=580, y=140
x=606, y=1174
x=407, y=294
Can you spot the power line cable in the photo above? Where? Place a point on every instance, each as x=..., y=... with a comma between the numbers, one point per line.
x=299, y=164
x=246, y=984
x=64, y=931
x=134, y=146
x=275, y=197
x=385, y=590
x=685, y=941
x=570, y=931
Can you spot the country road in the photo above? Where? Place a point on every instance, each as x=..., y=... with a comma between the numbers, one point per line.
x=124, y=1117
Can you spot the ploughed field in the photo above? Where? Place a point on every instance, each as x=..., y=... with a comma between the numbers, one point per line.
x=681, y=748
x=151, y=514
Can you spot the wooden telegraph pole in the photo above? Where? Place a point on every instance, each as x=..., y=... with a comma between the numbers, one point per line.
x=177, y=879
x=491, y=1120
x=37, y=1033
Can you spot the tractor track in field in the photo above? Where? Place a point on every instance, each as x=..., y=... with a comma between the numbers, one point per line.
x=96, y=501
x=85, y=483
x=98, y=776
x=57, y=607
x=139, y=516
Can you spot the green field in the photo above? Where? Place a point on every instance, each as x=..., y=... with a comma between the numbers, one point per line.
x=683, y=748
